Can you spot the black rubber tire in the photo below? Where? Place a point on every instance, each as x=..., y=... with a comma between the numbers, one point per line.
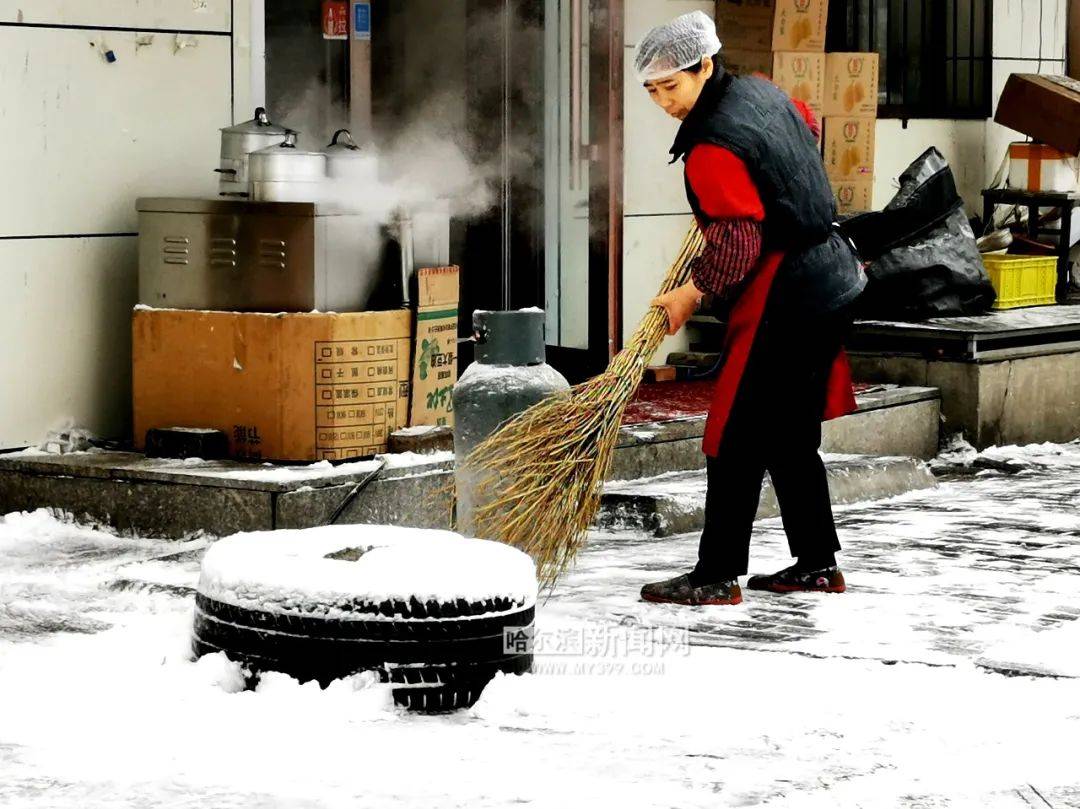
x=442, y=664
x=478, y=619
x=426, y=688
x=362, y=651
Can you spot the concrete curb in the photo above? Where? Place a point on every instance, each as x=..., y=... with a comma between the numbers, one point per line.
x=158, y=498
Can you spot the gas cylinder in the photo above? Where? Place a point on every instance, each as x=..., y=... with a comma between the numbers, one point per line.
x=509, y=375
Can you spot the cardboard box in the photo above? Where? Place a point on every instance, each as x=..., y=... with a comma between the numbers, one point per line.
x=435, y=363
x=849, y=148
x=799, y=25
x=801, y=76
x=854, y=196
x=745, y=25
x=851, y=84
x=290, y=387
x=1046, y=108
x=1038, y=167
x=747, y=63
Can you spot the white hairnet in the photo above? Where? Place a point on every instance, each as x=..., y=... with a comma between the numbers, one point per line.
x=680, y=44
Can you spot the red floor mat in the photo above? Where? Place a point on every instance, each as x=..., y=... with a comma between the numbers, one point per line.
x=664, y=401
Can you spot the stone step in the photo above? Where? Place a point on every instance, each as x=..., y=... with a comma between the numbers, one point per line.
x=674, y=503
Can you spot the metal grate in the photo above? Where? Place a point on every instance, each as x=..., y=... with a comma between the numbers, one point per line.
x=935, y=54
x=272, y=254
x=175, y=249
x=223, y=252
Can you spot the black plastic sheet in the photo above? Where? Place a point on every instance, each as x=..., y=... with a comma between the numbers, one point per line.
x=922, y=259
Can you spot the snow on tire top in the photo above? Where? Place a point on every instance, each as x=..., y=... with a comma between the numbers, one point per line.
x=289, y=572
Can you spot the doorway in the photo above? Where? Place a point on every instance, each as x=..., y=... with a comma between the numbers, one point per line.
x=531, y=93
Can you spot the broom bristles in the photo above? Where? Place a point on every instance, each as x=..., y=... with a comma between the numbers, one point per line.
x=540, y=475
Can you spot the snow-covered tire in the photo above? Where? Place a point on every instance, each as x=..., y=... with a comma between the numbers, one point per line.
x=428, y=610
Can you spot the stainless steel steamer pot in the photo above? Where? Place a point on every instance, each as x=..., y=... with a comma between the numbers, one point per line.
x=345, y=160
x=239, y=141
x=284, y=173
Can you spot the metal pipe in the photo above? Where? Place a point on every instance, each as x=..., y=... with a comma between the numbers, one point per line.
x=955, y=95
x=405, y=240
x=612, y=176
x=507, y=186
x=575, y=94
x=971, y=52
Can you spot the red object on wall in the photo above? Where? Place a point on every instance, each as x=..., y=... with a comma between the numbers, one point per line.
x=335, y=17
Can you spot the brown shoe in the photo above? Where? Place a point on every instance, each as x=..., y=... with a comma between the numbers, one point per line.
x=790, y=580
x=680, y=591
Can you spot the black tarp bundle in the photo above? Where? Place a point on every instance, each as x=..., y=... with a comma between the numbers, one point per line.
x=921, y=253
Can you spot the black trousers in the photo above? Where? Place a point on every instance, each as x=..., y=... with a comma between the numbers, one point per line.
x=775, y=426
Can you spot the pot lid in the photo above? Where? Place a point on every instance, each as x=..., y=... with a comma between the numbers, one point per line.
x=287, y=148
x=259, y=125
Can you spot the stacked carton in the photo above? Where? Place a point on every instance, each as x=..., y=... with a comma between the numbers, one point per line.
x=851, y=93
x=746, y=29
x=785, y=40
x=782, y=39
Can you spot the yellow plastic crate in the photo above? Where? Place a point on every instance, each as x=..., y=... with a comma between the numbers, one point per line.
x=1022, y=280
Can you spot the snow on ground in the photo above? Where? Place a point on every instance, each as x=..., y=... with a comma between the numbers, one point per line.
x=948, y=676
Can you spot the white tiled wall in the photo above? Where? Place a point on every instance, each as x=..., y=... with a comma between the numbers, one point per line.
x=65, y=320
x=650, y=244
x=656, y=214
x=86, y=137
x=652, y=184
x=1030, y=36
x=963, y=144
x=93, y=135
x=641, y=15
x=187, y=15
x=1030, y=29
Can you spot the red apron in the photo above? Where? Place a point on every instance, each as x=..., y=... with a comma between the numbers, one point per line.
x=743, y=324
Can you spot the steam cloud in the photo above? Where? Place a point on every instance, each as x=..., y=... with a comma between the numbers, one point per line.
x=428, y=159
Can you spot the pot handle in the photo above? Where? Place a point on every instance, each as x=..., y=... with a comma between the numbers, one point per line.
x=226, y=171
x=261, y=118
x=349, y=142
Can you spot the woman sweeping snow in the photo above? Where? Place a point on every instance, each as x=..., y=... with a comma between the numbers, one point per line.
x=757, y=185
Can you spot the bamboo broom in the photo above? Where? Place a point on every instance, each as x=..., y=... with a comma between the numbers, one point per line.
x=539, y=476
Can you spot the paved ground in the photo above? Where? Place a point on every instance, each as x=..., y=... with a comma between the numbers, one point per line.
x=942, y=577
x=948, y=676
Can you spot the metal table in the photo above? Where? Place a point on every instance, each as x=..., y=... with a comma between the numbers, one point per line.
x=1033, y=201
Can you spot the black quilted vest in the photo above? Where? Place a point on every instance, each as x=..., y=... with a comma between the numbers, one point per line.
x=757, y=122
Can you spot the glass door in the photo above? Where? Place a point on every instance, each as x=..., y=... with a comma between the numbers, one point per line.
x=566, y=175
x=582, y=181
x=531, y=90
